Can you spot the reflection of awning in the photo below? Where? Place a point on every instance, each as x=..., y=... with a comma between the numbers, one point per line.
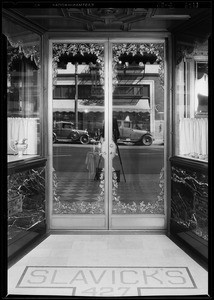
x=142, y=105
x=69, y=105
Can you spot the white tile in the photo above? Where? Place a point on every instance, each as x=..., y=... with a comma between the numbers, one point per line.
x=47, y=261
x=105, y=251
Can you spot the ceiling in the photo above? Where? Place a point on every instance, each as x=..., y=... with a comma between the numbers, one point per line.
x=190, y=21
x=117, y=19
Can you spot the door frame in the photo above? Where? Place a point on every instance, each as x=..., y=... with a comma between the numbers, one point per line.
x=135, y=221
x=109, y=221
x=67, y=221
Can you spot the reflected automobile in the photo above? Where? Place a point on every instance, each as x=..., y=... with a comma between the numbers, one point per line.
x=65, y=132
x=130, y=134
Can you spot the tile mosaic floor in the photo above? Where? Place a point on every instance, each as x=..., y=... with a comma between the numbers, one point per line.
x=72, y=187
x=107, y=265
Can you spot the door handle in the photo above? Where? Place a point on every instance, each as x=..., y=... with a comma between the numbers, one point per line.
x=103, y=148
x=112, y=149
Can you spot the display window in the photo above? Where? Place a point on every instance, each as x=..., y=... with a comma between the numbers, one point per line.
x=23, y=91
x=191, y=101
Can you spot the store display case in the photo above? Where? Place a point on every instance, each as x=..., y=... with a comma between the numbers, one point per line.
x=189, y=163
x=26, y=203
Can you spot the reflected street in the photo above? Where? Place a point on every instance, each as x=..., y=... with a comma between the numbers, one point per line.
x=135, y=159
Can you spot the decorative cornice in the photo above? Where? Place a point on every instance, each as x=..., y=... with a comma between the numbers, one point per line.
x=182, y=51
x=185, y=51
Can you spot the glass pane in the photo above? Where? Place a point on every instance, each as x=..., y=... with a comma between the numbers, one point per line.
x=25, y=186
x=23, y=91
x=138, y=129
x=78, y=117
x=191, y=102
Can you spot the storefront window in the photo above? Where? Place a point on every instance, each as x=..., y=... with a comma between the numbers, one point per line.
x=191, y=101
x=23, y=91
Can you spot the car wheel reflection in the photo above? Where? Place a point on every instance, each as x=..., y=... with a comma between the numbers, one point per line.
x=146, y=140
x=84, y=139
x=74, y=136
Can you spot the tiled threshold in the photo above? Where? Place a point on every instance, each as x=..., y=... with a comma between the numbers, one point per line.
x=106, y=265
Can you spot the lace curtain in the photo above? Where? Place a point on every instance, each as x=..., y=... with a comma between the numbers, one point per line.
x=20, y=128
x=26, y=41
x=194, y=137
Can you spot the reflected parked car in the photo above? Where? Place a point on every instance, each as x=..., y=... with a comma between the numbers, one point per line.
x=65, y=132
x=133, y=135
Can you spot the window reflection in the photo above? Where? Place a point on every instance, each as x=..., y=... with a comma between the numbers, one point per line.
x=201, y=89
x=23, y=91
x=78, y=116
x=191, y=101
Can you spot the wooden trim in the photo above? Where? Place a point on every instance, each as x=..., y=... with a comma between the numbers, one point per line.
x=189, y=163
x=107, y=232
x=168, y=98
x=195, y=20
x=49, y=131
x=26, y=164
x=46, y=103
x=41, y=105
x=78, y=222
x=19, y=19
x=138, y=222
x=143, y=36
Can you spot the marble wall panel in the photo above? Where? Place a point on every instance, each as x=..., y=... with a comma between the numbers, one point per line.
x=26, y=201
x=189, y=201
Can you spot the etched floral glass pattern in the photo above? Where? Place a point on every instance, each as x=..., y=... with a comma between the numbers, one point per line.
x=78, y=114
x=138, y=173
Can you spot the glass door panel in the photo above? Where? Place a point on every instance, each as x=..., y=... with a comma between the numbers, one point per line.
x=78, y=118
x=108, y=136
x=138, y=132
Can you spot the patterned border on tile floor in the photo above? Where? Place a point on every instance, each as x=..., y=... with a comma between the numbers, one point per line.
x=104, y=281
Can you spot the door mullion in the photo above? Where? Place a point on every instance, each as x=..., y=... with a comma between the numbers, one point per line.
x=110, y=117
x=106, y=134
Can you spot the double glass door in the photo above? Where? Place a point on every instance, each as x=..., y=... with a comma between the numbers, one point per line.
x=107, y=135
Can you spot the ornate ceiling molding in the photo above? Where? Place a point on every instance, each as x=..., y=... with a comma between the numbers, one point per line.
x=102, y=17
